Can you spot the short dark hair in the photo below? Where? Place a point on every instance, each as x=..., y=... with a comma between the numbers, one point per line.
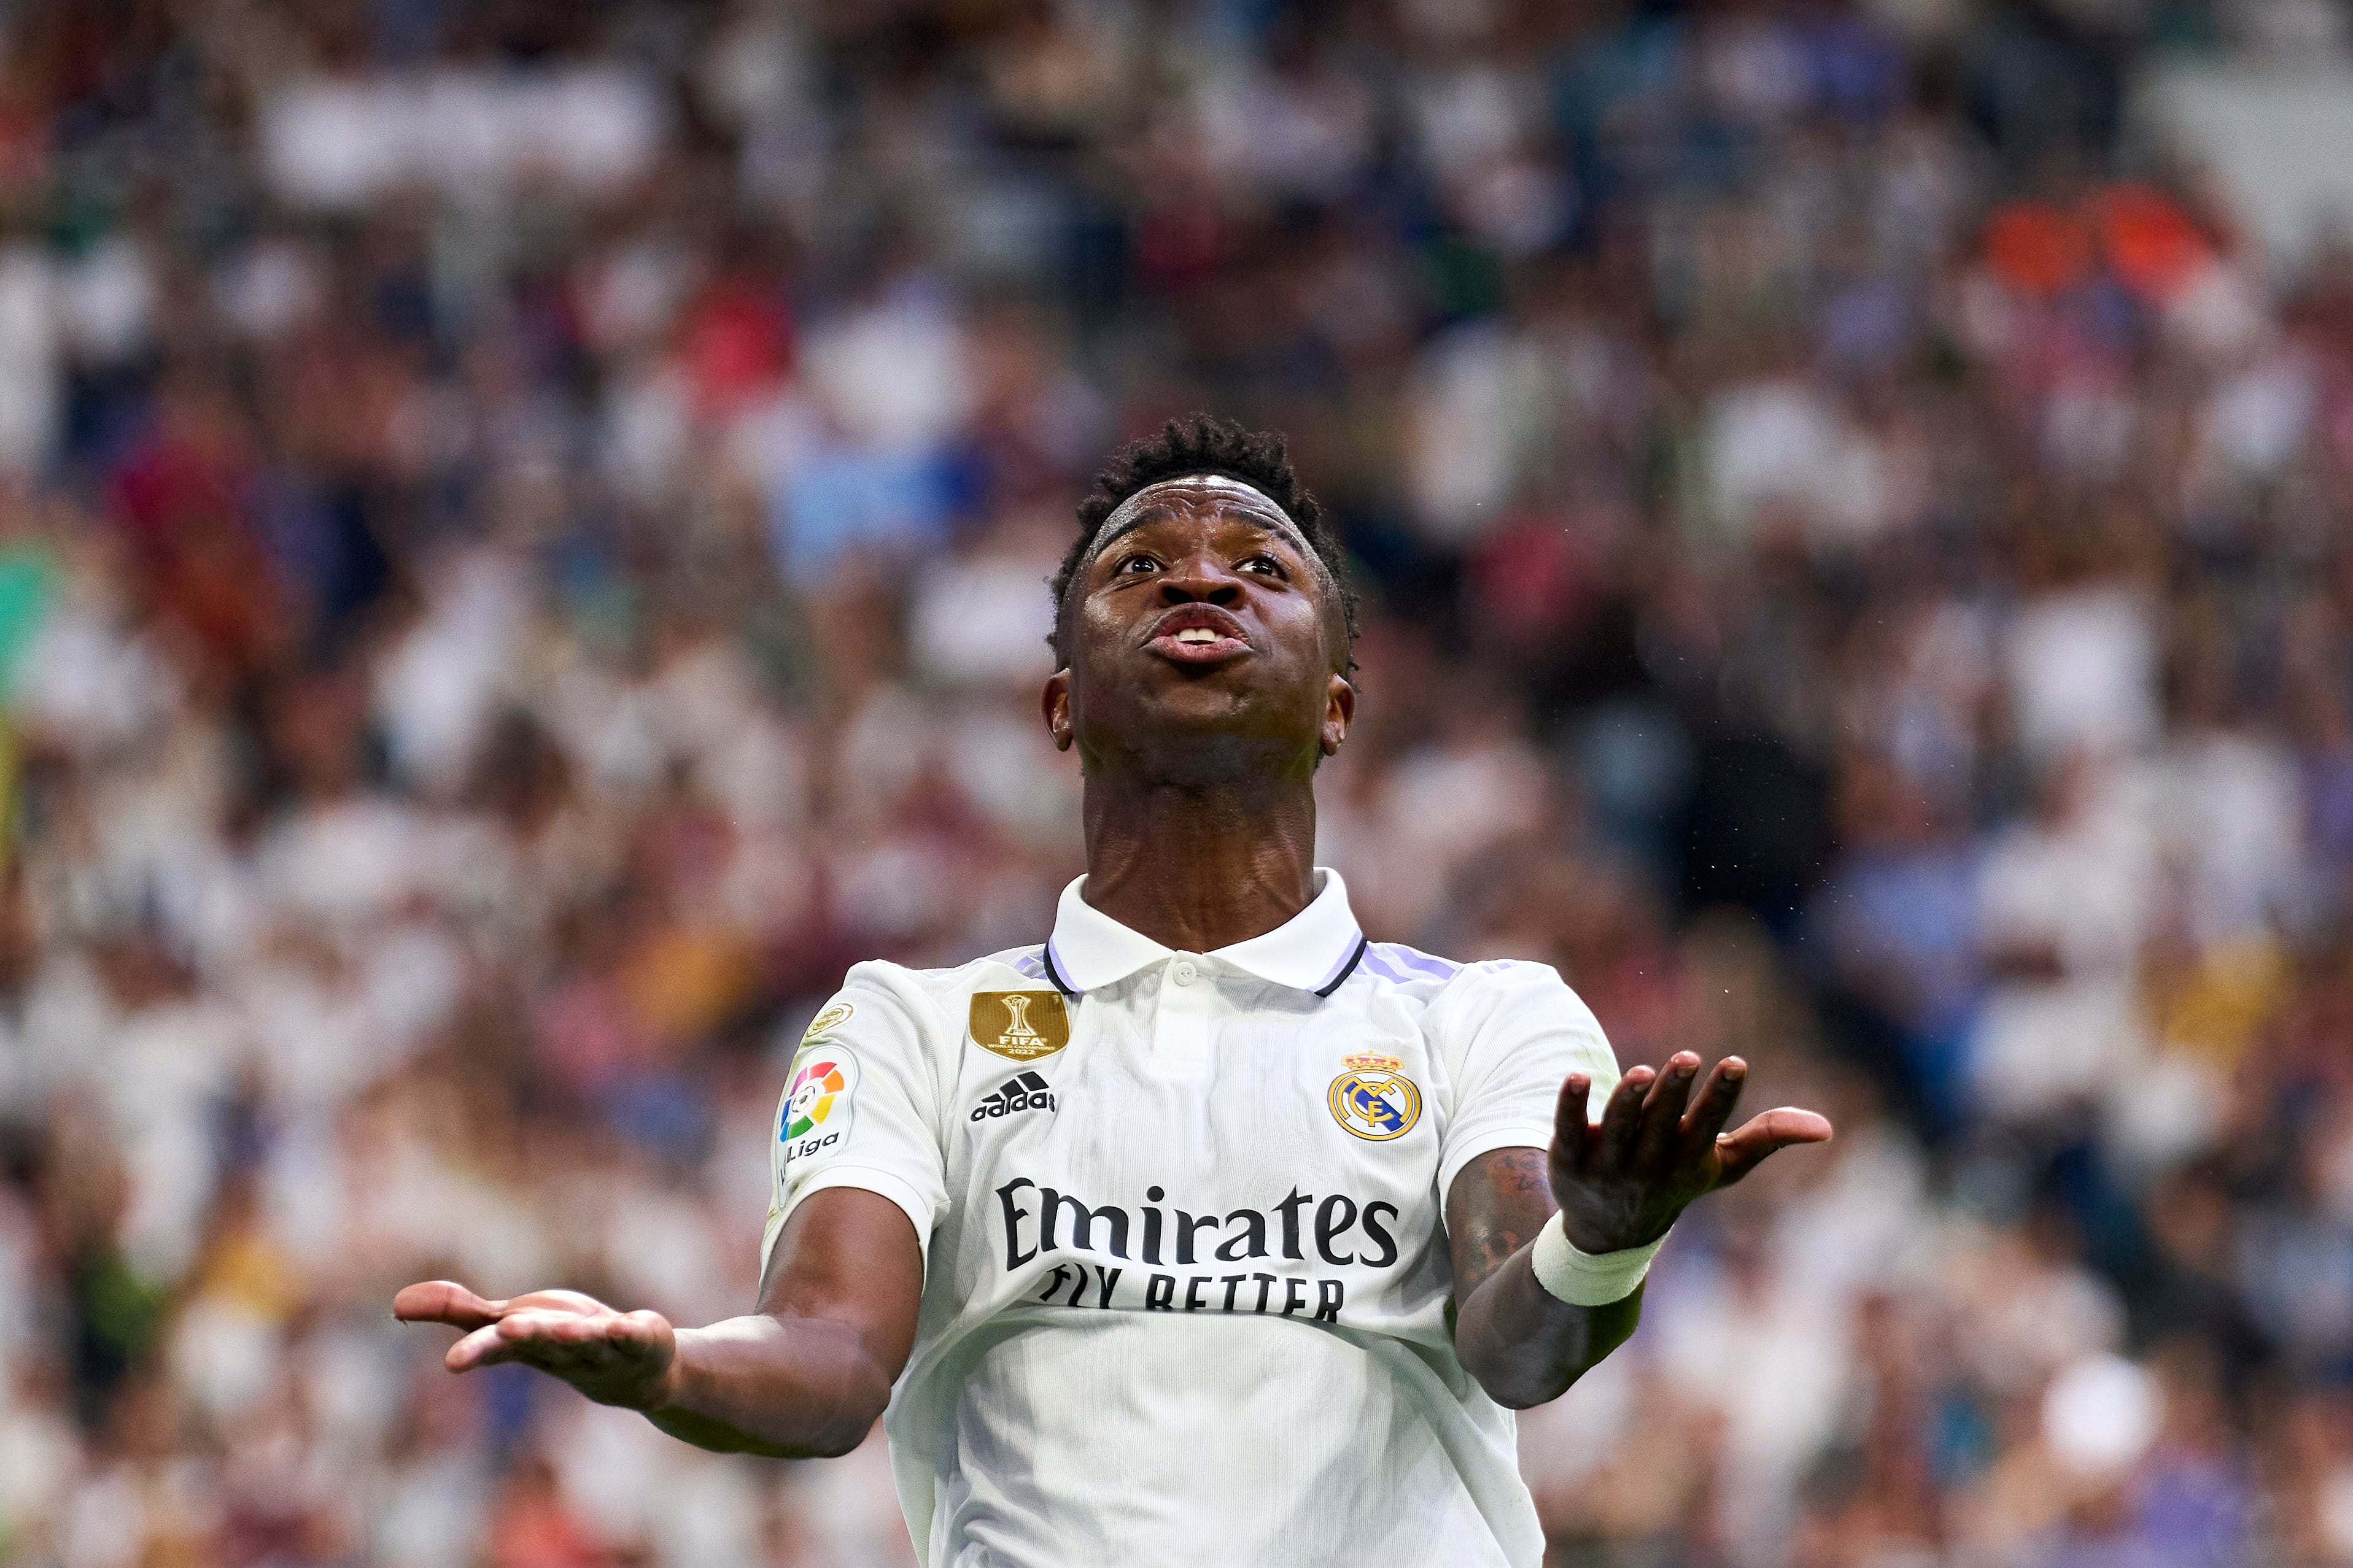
x=1205, y=444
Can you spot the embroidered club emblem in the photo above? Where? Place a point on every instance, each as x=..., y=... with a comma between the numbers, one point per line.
x=1373, y=1098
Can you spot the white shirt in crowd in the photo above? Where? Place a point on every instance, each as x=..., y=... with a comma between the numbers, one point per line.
x=1186, y=1272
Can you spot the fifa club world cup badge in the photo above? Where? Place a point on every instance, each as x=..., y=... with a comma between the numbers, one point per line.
x=1373, y=1098
x=1020, y=1025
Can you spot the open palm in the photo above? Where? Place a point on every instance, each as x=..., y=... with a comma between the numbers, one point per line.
x=1621, y=1182
x=612, y=1357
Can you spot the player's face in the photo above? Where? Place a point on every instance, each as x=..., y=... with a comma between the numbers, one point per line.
x=1204, y=636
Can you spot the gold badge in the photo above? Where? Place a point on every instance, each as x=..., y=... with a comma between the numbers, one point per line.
x=825, y=1023
x=1373, y=1098
x=1020, y=1024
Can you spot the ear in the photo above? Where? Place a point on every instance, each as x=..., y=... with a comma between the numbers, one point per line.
x=1339, y=710
x=1055, y=703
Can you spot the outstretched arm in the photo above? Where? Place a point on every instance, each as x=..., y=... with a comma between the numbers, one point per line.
x=1617, y=1186
x=805, y=1375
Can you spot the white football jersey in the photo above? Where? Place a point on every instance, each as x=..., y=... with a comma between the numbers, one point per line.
x=1185, y=1263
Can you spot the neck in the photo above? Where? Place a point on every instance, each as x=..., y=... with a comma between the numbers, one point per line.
x=1200, y=866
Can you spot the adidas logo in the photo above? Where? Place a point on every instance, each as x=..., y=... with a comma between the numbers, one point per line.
x=1027, y=1091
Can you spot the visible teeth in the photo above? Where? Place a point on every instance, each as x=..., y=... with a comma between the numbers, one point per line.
x=1196, y=633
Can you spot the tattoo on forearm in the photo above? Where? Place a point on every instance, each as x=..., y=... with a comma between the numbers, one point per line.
x=1495, y=1218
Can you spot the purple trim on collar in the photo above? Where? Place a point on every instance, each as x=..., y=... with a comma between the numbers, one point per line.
x=1054, y=971
x=1347, y=960
x=1356, y=956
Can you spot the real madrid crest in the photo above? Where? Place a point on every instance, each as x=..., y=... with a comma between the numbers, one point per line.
x=1373, y=1098
x=1020, y=1024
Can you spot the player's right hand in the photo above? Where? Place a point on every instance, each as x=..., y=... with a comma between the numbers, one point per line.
x=614, y=1358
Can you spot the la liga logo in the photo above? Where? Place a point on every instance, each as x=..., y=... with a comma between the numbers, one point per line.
x=818, y=1101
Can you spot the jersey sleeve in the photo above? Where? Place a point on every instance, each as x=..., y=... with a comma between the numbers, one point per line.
x=860, y=1108
x=1509, y=1033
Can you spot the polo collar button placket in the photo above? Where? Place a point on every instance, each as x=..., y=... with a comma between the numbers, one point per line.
x=1180, y=1037
x=1315, y=950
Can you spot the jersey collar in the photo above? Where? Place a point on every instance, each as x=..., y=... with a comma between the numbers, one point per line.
x=1315, y=949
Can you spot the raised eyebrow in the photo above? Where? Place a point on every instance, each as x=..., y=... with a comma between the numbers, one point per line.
x=1160, y=511
x=1149, y=515
x=1258, y=521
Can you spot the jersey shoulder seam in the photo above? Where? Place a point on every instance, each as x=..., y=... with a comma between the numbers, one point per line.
x=1401, y=964
x=950, y=975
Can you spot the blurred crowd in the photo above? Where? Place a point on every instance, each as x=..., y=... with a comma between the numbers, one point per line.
x=523, y=531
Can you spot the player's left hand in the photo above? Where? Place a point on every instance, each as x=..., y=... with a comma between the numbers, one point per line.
x=612, y=1357
x=1621, y=1182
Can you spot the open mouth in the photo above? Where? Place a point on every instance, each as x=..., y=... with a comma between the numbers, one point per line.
x=1197, y=633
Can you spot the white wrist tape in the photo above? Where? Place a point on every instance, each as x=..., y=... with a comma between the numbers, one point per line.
x=1587, y=1279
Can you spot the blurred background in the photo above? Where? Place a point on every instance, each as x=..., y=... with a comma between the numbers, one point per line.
x=521, y=540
